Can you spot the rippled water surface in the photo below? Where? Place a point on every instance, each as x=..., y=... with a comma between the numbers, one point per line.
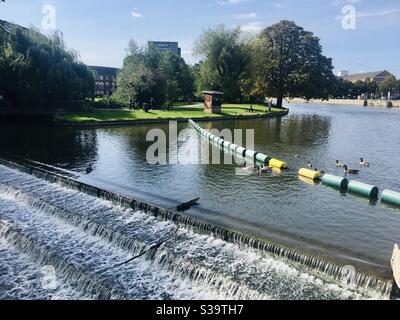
x=279, y=201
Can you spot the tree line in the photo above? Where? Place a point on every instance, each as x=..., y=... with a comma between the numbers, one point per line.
x=282, y=61
x=369, y=89
x=40, y=72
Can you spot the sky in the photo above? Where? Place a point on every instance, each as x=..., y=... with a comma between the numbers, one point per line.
x=366, y=38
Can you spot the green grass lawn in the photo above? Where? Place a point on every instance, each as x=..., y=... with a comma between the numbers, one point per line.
x=182, y=112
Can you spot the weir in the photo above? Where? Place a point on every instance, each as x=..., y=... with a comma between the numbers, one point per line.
x=134, y=238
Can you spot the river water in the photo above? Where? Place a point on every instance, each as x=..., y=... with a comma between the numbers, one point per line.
x=278, y=201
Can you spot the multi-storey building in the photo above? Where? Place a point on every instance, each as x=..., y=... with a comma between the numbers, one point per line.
x=166, y=46
x=106, y=80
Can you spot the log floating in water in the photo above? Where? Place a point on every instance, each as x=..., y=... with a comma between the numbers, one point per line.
x=187, y=205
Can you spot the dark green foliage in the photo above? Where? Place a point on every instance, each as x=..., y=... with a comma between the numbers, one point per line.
x=39, y=72
x=291, y=63
x=224, y=62
x=150, y=74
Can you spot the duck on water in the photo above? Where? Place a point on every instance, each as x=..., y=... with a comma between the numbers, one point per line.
x=350, y=171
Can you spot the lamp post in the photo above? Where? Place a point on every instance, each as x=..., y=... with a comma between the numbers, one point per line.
x=168, y=83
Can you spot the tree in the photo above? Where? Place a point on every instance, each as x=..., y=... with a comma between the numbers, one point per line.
x=390, y=84
x=150, y=74
x=140, y=79
x=180, y=81
x=40, y=72
x=291, y=63
x=224, y=62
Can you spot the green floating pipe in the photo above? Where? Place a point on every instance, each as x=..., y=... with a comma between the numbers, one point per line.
x=363, y=189
x=263, y=158
x=241, y=151
x=227, y=145
x=391, y=197
x=216, y=139
x=233, y=147
x=251, y=154
x=334, y=181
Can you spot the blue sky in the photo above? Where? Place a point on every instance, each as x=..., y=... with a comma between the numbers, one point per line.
x=100, y=29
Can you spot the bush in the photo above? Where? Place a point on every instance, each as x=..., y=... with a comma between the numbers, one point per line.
x=108, y=103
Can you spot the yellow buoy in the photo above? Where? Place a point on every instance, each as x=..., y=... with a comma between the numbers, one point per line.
x=277, y=164
x=310, y=174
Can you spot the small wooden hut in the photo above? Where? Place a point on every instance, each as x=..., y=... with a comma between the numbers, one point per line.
x=212, y=101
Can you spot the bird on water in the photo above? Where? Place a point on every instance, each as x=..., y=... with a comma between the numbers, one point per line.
x=350, y=171
x=89, y=169
x=364, y=163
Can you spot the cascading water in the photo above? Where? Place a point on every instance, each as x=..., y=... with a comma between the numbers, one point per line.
x=88, y=240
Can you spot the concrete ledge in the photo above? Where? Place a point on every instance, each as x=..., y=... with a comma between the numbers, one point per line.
x=154, y=121
x=348, y=102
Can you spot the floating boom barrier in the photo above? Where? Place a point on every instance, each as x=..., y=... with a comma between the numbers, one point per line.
x=335, y=182
x=363, y=189
x=355, y=187
x=352, y=186
x=310, y=174
x=391, y=197
x=241, y=151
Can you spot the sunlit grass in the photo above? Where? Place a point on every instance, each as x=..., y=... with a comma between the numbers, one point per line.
x=182, y=112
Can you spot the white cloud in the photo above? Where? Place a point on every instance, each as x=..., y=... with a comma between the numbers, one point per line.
x=377, y=13
x=136, y=14
x=229, y=2
x=253, y=27
x=344, y=2
x=280, y=5
x=373, y=14
x=246, y=16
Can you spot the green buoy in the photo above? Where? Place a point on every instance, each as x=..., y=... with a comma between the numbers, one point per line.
x=391, y=197
x=363, y=189
x=334, y=181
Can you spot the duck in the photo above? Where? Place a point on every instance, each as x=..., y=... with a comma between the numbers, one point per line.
x=339, y=164
x=364, y=163
x=89, y=169
x=310, y=164
x=351, y=171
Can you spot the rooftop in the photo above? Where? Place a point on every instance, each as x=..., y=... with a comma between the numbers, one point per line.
x=214, y=93
x=104, y=70
x=366, y=75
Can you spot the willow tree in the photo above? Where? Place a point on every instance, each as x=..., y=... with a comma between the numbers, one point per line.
x=224, y=60
x=39, y=71
x=290, y=63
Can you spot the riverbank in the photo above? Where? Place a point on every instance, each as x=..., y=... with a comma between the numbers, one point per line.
x=101, y=117
x=347, y=102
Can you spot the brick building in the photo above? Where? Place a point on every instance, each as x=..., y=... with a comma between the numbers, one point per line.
x=106, y=80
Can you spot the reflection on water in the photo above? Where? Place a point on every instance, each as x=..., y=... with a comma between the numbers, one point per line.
x=278, y=200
